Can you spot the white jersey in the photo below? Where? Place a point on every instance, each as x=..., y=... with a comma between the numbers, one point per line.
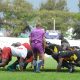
x=19, y=51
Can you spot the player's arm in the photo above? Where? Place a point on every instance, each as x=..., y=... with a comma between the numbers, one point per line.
x=6, y=56
x=29, y=60
x=4, y=62
x=44, y=42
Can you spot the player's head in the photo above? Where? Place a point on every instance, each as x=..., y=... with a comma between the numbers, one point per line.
x=16, y=44
x=38, y=25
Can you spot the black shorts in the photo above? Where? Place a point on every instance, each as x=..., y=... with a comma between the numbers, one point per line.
x=65, y=54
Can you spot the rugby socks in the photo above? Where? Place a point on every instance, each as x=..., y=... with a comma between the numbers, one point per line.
x=39, y=64
x=35, y=65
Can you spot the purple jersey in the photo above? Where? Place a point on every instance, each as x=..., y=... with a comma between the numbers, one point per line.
x=37, y=40
x=37, y=35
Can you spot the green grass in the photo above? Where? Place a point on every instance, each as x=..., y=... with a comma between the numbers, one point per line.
x=49, y=73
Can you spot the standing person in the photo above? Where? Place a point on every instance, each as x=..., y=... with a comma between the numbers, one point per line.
x=38, y=42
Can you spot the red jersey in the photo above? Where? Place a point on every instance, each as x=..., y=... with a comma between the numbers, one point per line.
x=27, y=45
x=6, y=53
x=29, y=60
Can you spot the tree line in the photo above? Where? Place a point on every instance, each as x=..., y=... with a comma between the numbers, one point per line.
x=19, y=14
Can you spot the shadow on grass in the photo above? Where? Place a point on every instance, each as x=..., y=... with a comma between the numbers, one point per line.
x=42, y=70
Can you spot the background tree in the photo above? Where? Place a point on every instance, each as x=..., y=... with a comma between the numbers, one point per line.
x=19, y=13
x=63, y=19
x=76, y=27
x=79, y=5
x=54, y=5
x=55, y=9
x=16, y=13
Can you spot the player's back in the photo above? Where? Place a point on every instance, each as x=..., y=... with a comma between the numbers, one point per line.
x=37, y=35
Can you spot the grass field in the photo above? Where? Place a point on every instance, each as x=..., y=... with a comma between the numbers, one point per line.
x=49, y=73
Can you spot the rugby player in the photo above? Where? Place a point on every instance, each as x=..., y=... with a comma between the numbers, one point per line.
x=56, y=52
x=20, y=52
